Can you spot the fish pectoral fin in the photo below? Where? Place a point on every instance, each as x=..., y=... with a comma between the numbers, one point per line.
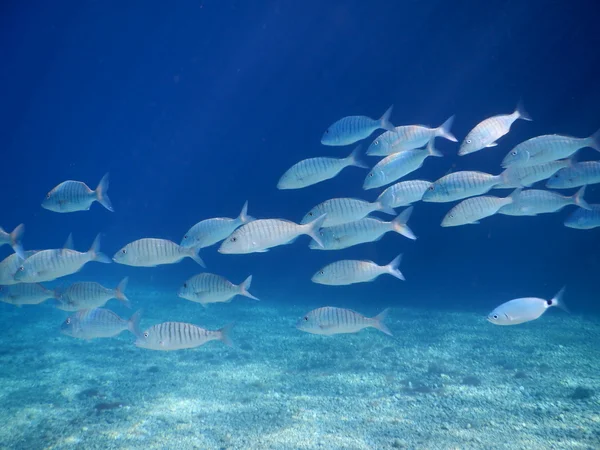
x=325, y=327
x=493, y=144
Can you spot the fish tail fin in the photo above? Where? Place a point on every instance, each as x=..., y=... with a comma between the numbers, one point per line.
x=385, y=209
x=120, y=292
x=432, y=150
x=444, y=130
x=15, y=240
x=579, y=200
x=400, y=224
x=133, y=324
x=521, y=113
x=224, y=334
x=393, y=267
x=378, y=322
x=314, y=227
x=557, y=300
x=594, y=141
x=354, y=158
x=384, y=121
x=193, y=252
x=96, y=254
x=101, y=193
x=244, y=286
x=244, y=217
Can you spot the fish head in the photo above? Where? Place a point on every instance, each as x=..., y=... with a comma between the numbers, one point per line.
x=560, y=180
x=185, y=291
x=150, y=340
x=435, y=192
x=187, y=240
x=516, y=158
x=236, y=243
x=471, y=143
x=310, y=216
x=498, y=317
x=308, y=324
x=23, y=274
x=288, y=181
x=329, y=137
x=70, y=326
x=320, y=277
x=374, y=179
x=378, y=146
x=123, y=256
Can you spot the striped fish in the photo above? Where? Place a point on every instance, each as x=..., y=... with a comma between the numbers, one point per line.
x=99, y=323
x=404, y=193
x=210, y=288
x=48, y=265
x=315, y=170
x=261, y=235
x=584, y=219
x=150, y=252
x=578, y=174
x=398, y=165
x=536, y=201
x=344, y=210
x=25, y=294
x=526, y=176
x=364, y=230
x=71, y=196
x=179, y=335
x=89, y=295
x=10, y=265
x=351, y=129
x=409, y=137
x=210, y=231
x=471, y=210
x=353, y=271
x=330, y=320
x=486, y=133
x=463, y=184
x=13, y=239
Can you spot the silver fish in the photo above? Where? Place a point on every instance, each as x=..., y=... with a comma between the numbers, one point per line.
x=210, y=231
x=99, y=323
x=71, y=196
x=25, y=294
x=353, y=271
x=404, y=193
x=263, y=234
x=10, y=265
x=409, y=137
x=344, y=210
x=351, y=129
x=398, y=165
x=471, y=210
x=14, y=239
x=486, y=133
x=583, y=219
x=578, y=174
x=48, y=265
x=210, y=288
x=330, y=320
x=526, y=176
x=536, y=201
x=178, y=335
x=89, y=295
x=364, y=230
x=550, y=147
x=151, y=252
x=523, y=310
x=315, y=170
x=463, y=184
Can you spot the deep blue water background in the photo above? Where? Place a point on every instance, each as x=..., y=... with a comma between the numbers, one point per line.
x=195, y=107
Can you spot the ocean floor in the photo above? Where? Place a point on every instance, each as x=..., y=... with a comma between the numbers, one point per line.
x=446, y=380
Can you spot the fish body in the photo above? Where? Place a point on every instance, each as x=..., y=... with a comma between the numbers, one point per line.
x=344, y=210
x=179, y=335
x=521, y=310
x=584, y=219
x=90, y=295
x=404, y=193
x=353, y=271
x=486, y=133
x=207, y=288
x=25, y=294
x=575, y=175
x=10, y=265
x=473, y=209
x=13, y=239
x=98, y=323
x=526, y=176
x=459, y=185
x=351, y=129
x=71, y=196
x=536, y=201
x=210, y=231
x=151, y=252
x=330, y=320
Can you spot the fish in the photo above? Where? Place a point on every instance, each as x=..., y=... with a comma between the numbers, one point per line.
x=354, y=271
x=329, y=320
x=471, y=210
x=536, y=201
x=527, y=176
x=263, y=234
x=409, y=137
x=404, y=193
x=398, y=165
x=14, y=239
x=179, y=335
x=208, y=288
x=99, y=323
x=72, y=196
x=210, y=231
x=575, y=175
x=463, y=184
x=344, y=210
x=89, y=295
x=315, y=170
x=546, y=148
x=151, y=252
x=25, y=294
x=48, y=265
x=10, y=265
x=351, y=129
x=486, y=133
x=584, y=219
x=364, y=230
x=521, y=310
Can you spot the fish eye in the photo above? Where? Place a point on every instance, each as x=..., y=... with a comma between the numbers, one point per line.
x=513, y=153
x=431, y=188
x=233, y=239
x=306, y=318
x=371, y=174
x=327, y=131
x=48, y=195
x=123, y=251
x=469, y=141
x=21, y=269
x=186, y=236
x=146, y=334
x=376, y=142
x=310, y=213
x=321, y=272
x=495, y=316
x=68, y=320
x=184, y=285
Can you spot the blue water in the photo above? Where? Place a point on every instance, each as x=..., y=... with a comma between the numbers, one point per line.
x=196, y=107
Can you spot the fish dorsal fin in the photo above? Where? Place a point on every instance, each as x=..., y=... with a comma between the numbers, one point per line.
x=68, y=245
